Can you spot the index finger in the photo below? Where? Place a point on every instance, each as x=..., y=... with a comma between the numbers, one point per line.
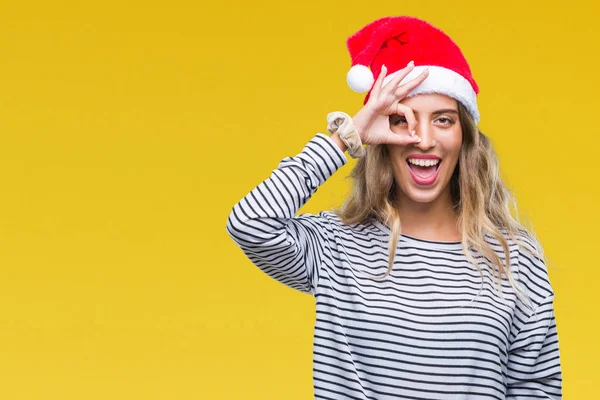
x=379, y=82
x=410, y=117
x=402, y=90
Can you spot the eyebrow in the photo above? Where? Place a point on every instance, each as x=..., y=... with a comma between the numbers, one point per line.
x=436, y=112
x=443, y=111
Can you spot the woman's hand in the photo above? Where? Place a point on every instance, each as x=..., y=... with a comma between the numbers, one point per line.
x=373, y=120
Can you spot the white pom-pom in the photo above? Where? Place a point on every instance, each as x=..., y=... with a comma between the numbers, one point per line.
x=360, y=78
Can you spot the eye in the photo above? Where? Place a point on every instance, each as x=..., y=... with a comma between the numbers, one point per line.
x=399, y=120
x=446, y=120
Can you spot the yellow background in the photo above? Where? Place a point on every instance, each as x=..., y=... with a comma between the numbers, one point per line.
x=129, y=130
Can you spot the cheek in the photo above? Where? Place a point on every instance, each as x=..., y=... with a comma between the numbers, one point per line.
x=452, y=143
x=396, y=155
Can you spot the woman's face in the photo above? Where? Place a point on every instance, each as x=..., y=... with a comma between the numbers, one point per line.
x=438, y=126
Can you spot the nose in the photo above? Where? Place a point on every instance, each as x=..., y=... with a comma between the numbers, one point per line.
x=426, y=132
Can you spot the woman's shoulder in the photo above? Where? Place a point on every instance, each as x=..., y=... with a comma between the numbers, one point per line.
x=521, y=241
x=532, y=267
x=527, y=260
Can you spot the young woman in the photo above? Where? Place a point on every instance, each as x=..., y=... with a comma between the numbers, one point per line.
x=426, y=287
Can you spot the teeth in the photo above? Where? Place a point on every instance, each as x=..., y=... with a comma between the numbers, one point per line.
x=423, y=163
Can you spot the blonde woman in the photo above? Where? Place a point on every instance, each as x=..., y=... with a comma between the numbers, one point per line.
x=426, y=286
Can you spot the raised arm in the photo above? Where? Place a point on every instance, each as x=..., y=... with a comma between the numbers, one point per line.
x=290, y=248
x=263, y=224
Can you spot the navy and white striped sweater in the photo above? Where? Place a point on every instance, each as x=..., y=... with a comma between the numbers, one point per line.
x=417, y=334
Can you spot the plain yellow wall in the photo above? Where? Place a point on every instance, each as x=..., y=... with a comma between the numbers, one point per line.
x=129, y=130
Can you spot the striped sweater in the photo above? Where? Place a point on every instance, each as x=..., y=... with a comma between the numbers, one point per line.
x=435, y=328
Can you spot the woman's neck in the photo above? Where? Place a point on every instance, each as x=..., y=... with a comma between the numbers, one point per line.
x=435, y=220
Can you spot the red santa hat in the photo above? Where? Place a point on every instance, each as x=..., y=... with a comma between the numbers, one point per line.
x=394, y=41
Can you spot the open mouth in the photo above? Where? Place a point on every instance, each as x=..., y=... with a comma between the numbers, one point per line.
x=424, y=171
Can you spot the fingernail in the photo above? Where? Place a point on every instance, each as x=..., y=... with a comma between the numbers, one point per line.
x=412, y=63
x=383, y=67
x=412, y=133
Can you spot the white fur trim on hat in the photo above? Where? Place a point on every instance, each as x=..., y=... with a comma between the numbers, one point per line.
x=445, y=81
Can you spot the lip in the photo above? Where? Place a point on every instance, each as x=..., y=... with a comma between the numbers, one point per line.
x=424, y=181
x=424, y=156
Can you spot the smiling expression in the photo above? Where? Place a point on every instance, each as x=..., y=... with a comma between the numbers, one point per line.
x=422, y=171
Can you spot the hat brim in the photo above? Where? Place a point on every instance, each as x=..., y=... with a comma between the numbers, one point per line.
x=444, y=81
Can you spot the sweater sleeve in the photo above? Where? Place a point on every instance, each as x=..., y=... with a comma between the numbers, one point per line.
x=534, y=369
x=263, y=224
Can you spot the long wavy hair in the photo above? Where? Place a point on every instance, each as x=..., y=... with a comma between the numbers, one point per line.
x=480, y=199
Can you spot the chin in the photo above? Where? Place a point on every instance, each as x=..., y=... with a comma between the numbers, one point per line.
x=421, y=195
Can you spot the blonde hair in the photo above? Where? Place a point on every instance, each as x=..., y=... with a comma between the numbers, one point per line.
x=480, y=199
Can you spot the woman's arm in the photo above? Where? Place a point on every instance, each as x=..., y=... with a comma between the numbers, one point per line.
x=336, y=139
x=263, y=224
x=289, y=248
x=534, y=369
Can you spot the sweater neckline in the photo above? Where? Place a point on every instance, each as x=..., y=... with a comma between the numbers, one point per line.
x=419, y=242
